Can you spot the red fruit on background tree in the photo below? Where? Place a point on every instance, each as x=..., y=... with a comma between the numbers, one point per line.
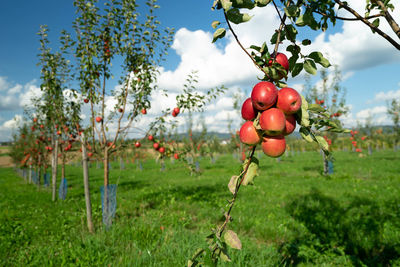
x=176, y=110
x=156, y=146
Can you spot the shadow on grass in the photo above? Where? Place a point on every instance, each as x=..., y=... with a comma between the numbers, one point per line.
x=205, y=193
x=361, y=228
x=313, y=168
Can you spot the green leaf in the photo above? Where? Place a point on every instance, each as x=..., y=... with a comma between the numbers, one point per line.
x=262, y=3
x=315, y=108
x=232, y=184
x=322, y=142
x=218, y=34
x=232, y=240
x=236, y=17
x=243, y=4
x=215, y=24
x=291, y=10
x=300, y=21
x=226, y=4
x=310, y=67
x=306, y=42
x=252, y=171
x=281, y=84
x=305, y=134
x=298, y=67
x=224, y=254
x=319, y=58
x=303, y=113
x=376, y=24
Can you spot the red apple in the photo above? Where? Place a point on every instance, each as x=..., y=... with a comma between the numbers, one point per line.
x=59, y=132
x=289, y=100
x=41, y=126
x=120, y=110
x=144, y=111
x=273, y=121
x=34, y=119
x=174, y=114
x=90, y=154
x=156, y=146
x=151, y=138
x=176, y=110
x=248, y=134
x=290, y=125
x=264, y=95
x=99, y=119
x=273, y=146
x=176, y=156
x=86, y=100
x=282, y=60
x=161, y=150
x=137, y=144
x=248, y=112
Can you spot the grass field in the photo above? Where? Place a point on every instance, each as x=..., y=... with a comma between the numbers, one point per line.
x=291, y=216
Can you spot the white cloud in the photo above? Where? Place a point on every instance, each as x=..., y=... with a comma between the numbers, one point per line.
x=14, y=97
x=9, y=127
x=385, y=96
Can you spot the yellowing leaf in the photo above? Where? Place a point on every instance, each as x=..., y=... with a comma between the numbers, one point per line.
x=252, y=171
x=232, y=240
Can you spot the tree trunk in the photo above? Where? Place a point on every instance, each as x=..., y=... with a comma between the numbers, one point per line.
x=63, y=168
x=325, y=163
x=30, y=171
x=54, y=162
x=86, y=186
x=106, y=182
x=38, y=178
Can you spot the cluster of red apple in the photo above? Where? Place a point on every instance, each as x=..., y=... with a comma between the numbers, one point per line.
x=156, y=145
x=319, y=102
x=269, y=115
x=329, y=141
x=354, y=142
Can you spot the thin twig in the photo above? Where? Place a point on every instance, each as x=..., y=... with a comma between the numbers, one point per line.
x=241, y=46
x=369, y=24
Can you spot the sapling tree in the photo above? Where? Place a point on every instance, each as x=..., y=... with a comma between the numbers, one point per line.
x=330, y=95
x=188, y=101
x=115, y=33
x=394, y=113
x=55, y=73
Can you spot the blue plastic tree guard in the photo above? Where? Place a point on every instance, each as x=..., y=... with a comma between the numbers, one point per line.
x=197, y=166
x=34, y=177
x=330, y=167
x=109, y=207
x=62, y=191
x=46, y=179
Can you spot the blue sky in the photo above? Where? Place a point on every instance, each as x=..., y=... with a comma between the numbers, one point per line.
x=369, y=64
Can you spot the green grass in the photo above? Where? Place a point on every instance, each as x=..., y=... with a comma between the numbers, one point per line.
x=291, y=216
